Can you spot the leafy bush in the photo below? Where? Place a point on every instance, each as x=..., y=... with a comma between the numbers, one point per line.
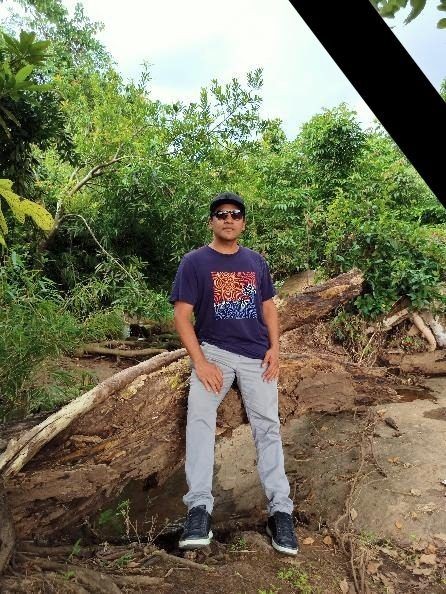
x=398, y=258
x=113, y=287
x=103, y=325
x=30, y=334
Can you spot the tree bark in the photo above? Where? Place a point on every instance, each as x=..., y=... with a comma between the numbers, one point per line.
x=22, y=449
x=138, y=432
x=428, y=363
x=97, y=349
x=317, y=302
x=7, y=532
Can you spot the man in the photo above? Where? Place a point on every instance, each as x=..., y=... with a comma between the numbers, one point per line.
x=229, y=289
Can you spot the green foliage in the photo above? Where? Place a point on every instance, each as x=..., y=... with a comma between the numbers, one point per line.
x=297, y=578
x=397, y=257
x=35, y=329
x=76, y=549
x=17, y=60
x=103, y=325
x=115, y=518
x=238, y=544
x=20, y=207
x=122, y=290
x=30, y=334
x=389, y=8
x=30, y=114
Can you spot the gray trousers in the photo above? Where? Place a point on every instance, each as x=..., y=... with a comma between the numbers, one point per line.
x=260, y=399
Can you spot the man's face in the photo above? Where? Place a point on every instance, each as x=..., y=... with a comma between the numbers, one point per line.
x=228, y=228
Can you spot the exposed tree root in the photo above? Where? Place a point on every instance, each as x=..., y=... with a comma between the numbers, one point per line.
x=343, y=529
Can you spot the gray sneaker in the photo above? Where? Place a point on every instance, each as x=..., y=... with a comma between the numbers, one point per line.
x=197, y=531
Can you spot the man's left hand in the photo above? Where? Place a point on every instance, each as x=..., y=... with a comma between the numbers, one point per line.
x=271, y=362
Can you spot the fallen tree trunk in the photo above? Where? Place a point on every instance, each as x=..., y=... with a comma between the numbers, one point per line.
x=316, y=302
x=138, y=432
x=132, y=425
x=22, y=449
x=428, y=363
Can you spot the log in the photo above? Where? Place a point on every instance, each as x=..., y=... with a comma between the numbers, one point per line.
x=425, y=331
x=132, y=425
x=317, y=302
x=138, y=433
x=22, y=449
x=428, y=363
x=96, y=349
x=436, y=326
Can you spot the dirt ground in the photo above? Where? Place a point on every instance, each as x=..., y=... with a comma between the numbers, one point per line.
x=368, y=494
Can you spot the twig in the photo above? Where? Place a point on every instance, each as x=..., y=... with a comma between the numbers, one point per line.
x=102, y=248
x=95, y=581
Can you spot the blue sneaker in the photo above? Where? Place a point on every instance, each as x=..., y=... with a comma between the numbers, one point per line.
x=197, y=531
x=280, y=528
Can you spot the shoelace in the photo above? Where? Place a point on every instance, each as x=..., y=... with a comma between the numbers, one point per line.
x=196, y=519
x=284, y=524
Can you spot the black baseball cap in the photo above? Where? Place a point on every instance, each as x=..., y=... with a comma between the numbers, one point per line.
x=227, y=197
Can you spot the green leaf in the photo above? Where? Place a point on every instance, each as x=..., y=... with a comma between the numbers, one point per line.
x=38, y=213
x=5, y=127
x=441, y=24
x=12, y=199
x=3, y=225
x=24, y=72
x=22, y=207
x=26, y=38
x=417, y=7
x=10, y=115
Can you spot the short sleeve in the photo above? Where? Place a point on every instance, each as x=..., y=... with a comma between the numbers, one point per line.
x=185, y=285
x=267, y=290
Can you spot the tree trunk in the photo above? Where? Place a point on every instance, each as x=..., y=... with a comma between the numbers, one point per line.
x=132, y=425
x=138, y=432
x=319, y=301
x=428, y=363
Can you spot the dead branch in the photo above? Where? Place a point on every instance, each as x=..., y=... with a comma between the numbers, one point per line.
x=391, y=321
x=436, y=326
x=425, y=331
x=180, y=561
x=96, y=171
x=93, y=580
x=97, y=349
x=140, y=580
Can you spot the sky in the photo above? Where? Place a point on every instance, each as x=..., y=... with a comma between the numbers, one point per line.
x=189, y=43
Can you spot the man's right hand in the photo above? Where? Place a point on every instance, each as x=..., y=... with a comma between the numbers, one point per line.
x=210, y=375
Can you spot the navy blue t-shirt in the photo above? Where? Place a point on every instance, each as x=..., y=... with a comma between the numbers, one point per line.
x=227, y=291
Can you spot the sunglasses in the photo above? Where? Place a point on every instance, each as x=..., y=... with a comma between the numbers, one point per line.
x=222, y=215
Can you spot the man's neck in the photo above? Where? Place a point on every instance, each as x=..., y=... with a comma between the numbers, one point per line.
x=224, y=247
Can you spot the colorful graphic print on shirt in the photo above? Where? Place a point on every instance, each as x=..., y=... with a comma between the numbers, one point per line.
x=234, y=295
